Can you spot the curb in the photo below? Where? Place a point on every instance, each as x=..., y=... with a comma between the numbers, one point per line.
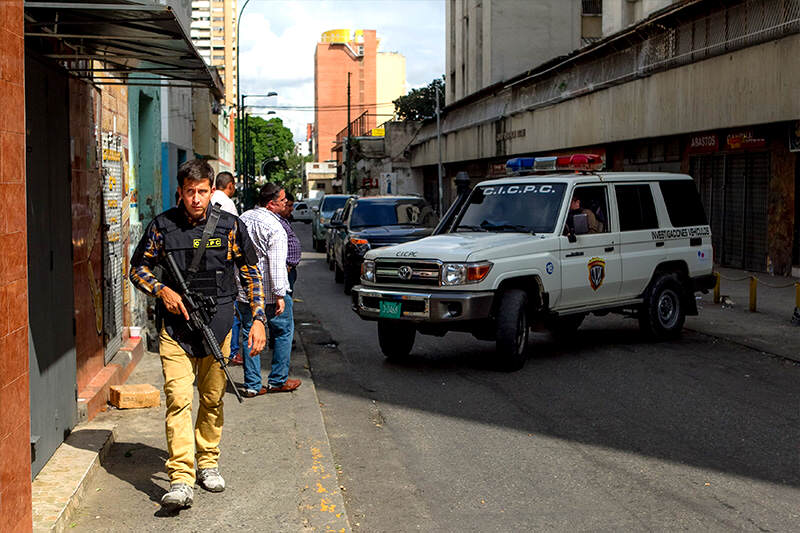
x=61, y=486
x=321, y=502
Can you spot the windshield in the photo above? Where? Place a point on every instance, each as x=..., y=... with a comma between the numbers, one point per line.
x=331, y=204
x=524, y=207
x=392, y=213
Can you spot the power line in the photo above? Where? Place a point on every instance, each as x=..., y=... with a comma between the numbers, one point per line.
x=319, y=108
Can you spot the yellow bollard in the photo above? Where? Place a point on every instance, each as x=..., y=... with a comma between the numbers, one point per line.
x=753, y=293
x=716, y=287
x=797, y=294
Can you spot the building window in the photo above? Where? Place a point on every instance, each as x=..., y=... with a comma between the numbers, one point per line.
x=592, y=7
x=218, y=19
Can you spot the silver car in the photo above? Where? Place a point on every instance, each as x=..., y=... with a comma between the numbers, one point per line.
x=322, y=217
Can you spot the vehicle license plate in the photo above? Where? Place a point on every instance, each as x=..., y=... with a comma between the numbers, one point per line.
x=390, y=309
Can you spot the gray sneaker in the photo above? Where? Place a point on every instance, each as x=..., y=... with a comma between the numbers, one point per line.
x=209, y=479
x=179, y=496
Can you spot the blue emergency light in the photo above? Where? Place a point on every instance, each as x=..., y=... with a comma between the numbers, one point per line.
x=554, y=163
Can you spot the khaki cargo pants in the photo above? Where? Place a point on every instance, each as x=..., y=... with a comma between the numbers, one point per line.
x=183, y=443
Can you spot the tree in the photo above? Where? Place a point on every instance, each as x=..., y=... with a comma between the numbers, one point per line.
x=420, y=104
x=271, y=144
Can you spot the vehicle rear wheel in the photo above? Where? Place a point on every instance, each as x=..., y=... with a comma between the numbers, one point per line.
x=319, y=245
x=328, y=258
x=338, y=274
x=563, y=328
x=662, y=315
x=396, y=338
x=512, y=329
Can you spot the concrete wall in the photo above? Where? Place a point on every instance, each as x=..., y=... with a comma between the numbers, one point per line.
x=710, y=94
x=176, y=139
x=15, y=458
x=144, y=118
x=390, y=79
x=493, y=40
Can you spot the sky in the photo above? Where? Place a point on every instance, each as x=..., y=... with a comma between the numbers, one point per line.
x=278, y=37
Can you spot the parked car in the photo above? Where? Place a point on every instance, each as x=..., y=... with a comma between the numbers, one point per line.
x=335, y=219
x=322, y=216
x=545, y=249
x=302, y=212
x=373, y=222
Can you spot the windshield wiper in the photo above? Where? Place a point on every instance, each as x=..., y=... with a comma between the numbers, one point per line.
x=513, y=227
x=472, y=228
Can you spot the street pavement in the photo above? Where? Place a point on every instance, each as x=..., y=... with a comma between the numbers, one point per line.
x=608, y=432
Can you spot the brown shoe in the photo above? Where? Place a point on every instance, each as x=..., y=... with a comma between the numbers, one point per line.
x=250, y=393
x=236, y=360
x=288, y=386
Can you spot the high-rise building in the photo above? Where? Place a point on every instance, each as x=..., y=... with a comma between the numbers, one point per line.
x=214, y=34
x=375, y=78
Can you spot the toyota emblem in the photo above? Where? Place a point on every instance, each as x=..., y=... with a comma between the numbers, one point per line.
x=405, y=272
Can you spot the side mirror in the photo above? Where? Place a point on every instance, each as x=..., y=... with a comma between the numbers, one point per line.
x=315, y=209
x=581, y=224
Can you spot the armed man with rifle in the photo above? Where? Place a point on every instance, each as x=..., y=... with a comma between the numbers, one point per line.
x=201, y=250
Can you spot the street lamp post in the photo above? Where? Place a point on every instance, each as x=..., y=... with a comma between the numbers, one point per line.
x=439, y=144
x=245, y=145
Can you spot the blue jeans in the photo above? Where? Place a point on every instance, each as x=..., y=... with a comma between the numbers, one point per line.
x=281, y=333
x=237, y=325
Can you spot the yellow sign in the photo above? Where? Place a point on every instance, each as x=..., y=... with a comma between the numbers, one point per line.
x=343, y=36
x=212, y=243
x=377, y=132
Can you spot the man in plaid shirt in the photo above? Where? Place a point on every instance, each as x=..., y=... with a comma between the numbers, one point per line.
x=271, y=244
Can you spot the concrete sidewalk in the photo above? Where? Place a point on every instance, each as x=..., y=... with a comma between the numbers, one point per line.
x=276, y=460
x=768, y=330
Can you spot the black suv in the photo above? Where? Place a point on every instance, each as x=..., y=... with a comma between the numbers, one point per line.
x=372, y=222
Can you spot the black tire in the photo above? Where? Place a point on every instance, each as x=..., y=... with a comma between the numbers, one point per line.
x=563, y=328
x=313, y=242
x=338, y=274
x=319, y=246
x=663, y=313
x=349, y=279
x=396, y=338
x=512, y=329
x=329, y=259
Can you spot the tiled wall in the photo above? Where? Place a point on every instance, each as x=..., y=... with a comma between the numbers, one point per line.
x=87, y=204
x=15, y=471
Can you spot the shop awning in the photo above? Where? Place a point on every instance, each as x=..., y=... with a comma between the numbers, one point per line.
x=119, y=43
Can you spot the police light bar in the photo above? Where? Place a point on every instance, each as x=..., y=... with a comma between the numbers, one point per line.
x=555, y=163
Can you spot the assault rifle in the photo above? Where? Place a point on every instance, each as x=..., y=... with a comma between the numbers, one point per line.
x=199, y=307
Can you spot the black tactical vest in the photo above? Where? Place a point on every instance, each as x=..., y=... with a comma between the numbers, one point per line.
x=216, y=276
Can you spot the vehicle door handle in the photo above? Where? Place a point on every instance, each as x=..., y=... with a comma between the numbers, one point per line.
x=695, y=241
x=609, y=248
x=659, y=244
x=574, y=254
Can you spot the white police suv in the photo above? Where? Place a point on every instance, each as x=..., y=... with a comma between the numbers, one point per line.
x=545, y=248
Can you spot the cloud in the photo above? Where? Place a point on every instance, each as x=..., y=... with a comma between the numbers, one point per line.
x=278, y=39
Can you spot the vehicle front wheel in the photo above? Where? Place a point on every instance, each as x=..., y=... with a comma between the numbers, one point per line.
x=512, y=329
x=329, y=258
x=319, y=245
x=338, y=274
x=662, y=315
x=349, y=278
x=396, y=338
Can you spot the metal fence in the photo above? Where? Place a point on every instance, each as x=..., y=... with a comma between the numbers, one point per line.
x=745, y=24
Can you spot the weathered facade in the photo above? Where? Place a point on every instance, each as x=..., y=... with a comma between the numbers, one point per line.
x=693, y=88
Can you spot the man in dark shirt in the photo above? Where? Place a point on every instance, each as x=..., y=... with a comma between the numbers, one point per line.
x=180, y=232
x=293, y=255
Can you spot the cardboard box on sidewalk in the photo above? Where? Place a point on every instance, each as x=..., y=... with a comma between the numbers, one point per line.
x=134, y=396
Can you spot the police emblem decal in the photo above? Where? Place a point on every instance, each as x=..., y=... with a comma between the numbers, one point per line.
x=549, y=267
x=405, y=272
x=597, y=272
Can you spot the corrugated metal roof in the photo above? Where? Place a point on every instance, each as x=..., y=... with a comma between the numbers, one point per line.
x=119, y=43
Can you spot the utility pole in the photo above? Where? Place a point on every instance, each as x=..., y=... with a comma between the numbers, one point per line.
x=439, y=143
x=347, y=142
